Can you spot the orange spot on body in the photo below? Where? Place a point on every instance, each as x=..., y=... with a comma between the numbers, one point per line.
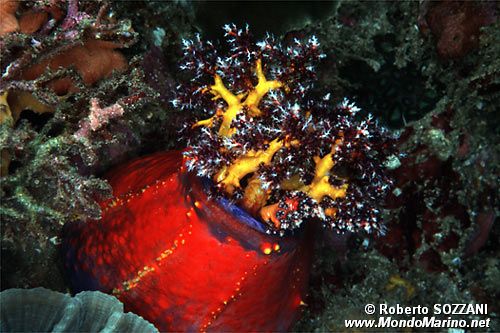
x=266, y=248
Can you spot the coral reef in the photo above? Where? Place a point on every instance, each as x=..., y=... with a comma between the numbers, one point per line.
x=428, y=71
x=43, y=310
x=62, y=81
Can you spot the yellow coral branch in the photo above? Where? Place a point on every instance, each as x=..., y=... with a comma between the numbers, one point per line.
x=320, y=185
x=230, y=176
x=235, y=105
x=261, y=89
x=319, y=188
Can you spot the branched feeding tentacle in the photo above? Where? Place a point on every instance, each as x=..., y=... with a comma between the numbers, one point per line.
x=266, y=143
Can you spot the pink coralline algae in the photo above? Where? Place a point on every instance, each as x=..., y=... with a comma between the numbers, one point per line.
x=98, y=117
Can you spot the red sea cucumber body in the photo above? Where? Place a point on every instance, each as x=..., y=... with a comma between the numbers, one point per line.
x=183, y=261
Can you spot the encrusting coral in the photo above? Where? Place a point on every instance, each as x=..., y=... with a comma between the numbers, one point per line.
x=64, y=56
x=64, y=91
x=78, y=41
x=272, y=145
